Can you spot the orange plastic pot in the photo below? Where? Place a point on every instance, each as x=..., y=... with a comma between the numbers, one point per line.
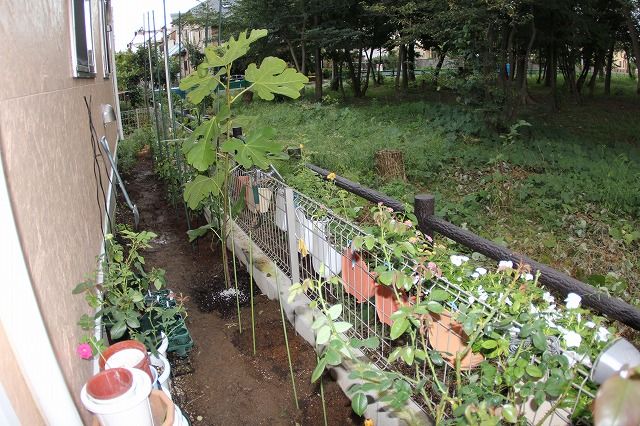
x=447, y=336
x=356, y=278
x=386, y=303
x=128, y=353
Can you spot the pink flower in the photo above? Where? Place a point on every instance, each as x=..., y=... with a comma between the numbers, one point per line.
x=435, y=269
x=84, y=351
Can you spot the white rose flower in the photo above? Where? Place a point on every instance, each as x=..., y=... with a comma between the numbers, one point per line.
x=504, y=265
x=458, y=260
x=590, y=324
x=472, y=299
x=573, y=357
x=572, y=339
x=483, y=297
x=602, y=335
x=481, y=271
x=573, y=301
x=475, y=275
x=547, y=297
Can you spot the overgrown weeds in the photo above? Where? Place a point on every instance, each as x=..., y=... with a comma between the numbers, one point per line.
x=557, y=191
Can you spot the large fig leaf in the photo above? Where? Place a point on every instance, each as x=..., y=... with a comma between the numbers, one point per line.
x=232, y=49
x=616, y=403
x=200, y=146
x=202, y=187
x=201, y=83
x=273, y=76
x=255, y=150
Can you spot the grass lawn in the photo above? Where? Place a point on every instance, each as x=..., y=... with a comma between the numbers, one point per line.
x=565, y=191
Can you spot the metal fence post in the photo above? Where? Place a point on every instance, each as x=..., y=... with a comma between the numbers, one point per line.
x=424, y=206
x=291, y=234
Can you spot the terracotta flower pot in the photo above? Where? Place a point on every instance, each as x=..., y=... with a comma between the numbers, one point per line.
x=129, y=353
x=356, y=277
x=110, y=384
x=386, y=303
x=448, y=337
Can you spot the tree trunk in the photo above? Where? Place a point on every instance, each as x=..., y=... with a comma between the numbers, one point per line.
x=318, y=73
x=608, y=67
x=341, y=84
x=512, y=55
x=380, y=66
x=335, y=77
x=547, y=68
x=588, y=56
x=523, y=68
x=369, y=68
x=303, y=47
x=293, y=54
x=635, y=44
x=594, y=76
x=411, y=61
x=405, y=72
x=553, y=72
x=399, y=67
x=436, y=72
x=355, y=82
x=390, y=165
x=540, y=74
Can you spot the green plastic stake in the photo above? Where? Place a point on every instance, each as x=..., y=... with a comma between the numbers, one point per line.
x=253, y=321
x=235, y=278
x=286, y=341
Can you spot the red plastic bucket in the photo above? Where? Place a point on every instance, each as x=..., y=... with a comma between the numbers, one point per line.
x=109, y=384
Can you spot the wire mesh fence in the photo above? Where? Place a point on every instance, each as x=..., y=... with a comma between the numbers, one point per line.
x=136, y=119
x=307, y=240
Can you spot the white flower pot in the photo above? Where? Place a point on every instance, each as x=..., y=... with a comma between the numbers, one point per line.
x=304, y=229
x=613, y=358
x=281, y=211
x=134, y=409
x=324, y=256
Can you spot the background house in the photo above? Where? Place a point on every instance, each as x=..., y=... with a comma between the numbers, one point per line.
x=55, y=54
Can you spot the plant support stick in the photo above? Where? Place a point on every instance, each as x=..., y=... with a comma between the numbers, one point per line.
x=253, y=321
x=235, y=278
x=286, y=342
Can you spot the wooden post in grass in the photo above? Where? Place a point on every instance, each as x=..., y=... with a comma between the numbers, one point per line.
x=390, y=165
x=424, y=206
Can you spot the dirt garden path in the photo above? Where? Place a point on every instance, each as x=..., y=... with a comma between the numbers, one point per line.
x=222, y=383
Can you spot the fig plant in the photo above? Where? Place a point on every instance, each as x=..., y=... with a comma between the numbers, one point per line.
x=212, y=149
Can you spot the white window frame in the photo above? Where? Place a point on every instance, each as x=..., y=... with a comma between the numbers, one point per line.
x=83, y=56
x=105, y=29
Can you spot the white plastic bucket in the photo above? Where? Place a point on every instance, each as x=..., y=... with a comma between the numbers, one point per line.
x=134, y=410
x=164, y=379
x=324, y=256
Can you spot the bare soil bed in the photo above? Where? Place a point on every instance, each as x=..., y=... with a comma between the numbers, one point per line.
x=221, y=382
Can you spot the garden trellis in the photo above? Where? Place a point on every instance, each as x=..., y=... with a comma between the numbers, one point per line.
x=307, y=240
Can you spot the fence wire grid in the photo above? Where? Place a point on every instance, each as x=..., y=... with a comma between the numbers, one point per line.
x=323, y=242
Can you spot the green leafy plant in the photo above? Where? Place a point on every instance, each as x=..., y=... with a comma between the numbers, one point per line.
x=211, y=149
x=119, y=301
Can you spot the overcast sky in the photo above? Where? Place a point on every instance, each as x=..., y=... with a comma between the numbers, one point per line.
x=128, y=16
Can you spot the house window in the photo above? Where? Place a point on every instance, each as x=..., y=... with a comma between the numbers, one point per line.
x=105, y=27
x=83, y=52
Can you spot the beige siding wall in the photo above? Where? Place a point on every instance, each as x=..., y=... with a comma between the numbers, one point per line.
x=48, y=162
x=15, y=385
